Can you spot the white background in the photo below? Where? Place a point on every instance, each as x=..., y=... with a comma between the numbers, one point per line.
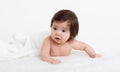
x=99, y=20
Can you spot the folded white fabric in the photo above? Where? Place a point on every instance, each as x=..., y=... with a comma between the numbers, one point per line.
x=21, y=45
x=18, y=46
x=4, y=52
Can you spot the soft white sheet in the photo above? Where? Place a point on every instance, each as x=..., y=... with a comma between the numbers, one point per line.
x=22, y=57
x=18, y=46
x=76, y=62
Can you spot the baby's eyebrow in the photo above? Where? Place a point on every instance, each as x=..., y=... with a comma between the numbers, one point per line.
x=65, y=28
x=54, y=26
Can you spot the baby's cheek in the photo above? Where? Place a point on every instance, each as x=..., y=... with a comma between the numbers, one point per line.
x=66, y=38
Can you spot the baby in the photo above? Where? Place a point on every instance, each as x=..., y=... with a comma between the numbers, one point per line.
x=64, y=28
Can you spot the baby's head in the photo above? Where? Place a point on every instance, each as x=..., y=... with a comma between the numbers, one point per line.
x=69, y=20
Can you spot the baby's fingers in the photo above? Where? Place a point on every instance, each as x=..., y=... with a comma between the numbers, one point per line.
x=98, y=55
x=56, y=61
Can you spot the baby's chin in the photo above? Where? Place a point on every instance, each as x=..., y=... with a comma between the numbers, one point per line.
x=58, y=41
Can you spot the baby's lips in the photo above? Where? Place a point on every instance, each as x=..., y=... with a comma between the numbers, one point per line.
x=57, y=37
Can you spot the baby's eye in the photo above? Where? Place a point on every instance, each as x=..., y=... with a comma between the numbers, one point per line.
x=55, y=28
x=63, y=30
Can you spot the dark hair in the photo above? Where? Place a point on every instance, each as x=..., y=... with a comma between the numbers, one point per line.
x=67, y=15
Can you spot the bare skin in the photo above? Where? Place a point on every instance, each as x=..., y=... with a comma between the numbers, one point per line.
x=57, y=45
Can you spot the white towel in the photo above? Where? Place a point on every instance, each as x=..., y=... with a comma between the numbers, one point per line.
x=18, y=46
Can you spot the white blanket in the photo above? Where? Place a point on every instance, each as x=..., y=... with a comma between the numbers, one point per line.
x=18, y=46
x=76, y=62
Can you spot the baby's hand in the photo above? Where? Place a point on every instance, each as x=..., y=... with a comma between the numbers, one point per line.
x=56, y=61
x=95, y=56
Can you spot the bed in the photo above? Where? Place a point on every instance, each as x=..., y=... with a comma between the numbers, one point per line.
x=29, y=60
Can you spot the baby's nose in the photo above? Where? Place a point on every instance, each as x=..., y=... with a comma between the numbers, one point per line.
x=58, y=32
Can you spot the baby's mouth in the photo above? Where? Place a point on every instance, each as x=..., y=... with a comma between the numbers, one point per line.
x=57, y=38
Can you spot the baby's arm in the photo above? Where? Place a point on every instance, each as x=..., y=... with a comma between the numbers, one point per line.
x=45, y=52
x=89, y=50
x=85, y=47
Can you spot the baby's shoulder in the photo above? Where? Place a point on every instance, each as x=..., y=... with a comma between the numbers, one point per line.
x=74, y=42
x=47, y=39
